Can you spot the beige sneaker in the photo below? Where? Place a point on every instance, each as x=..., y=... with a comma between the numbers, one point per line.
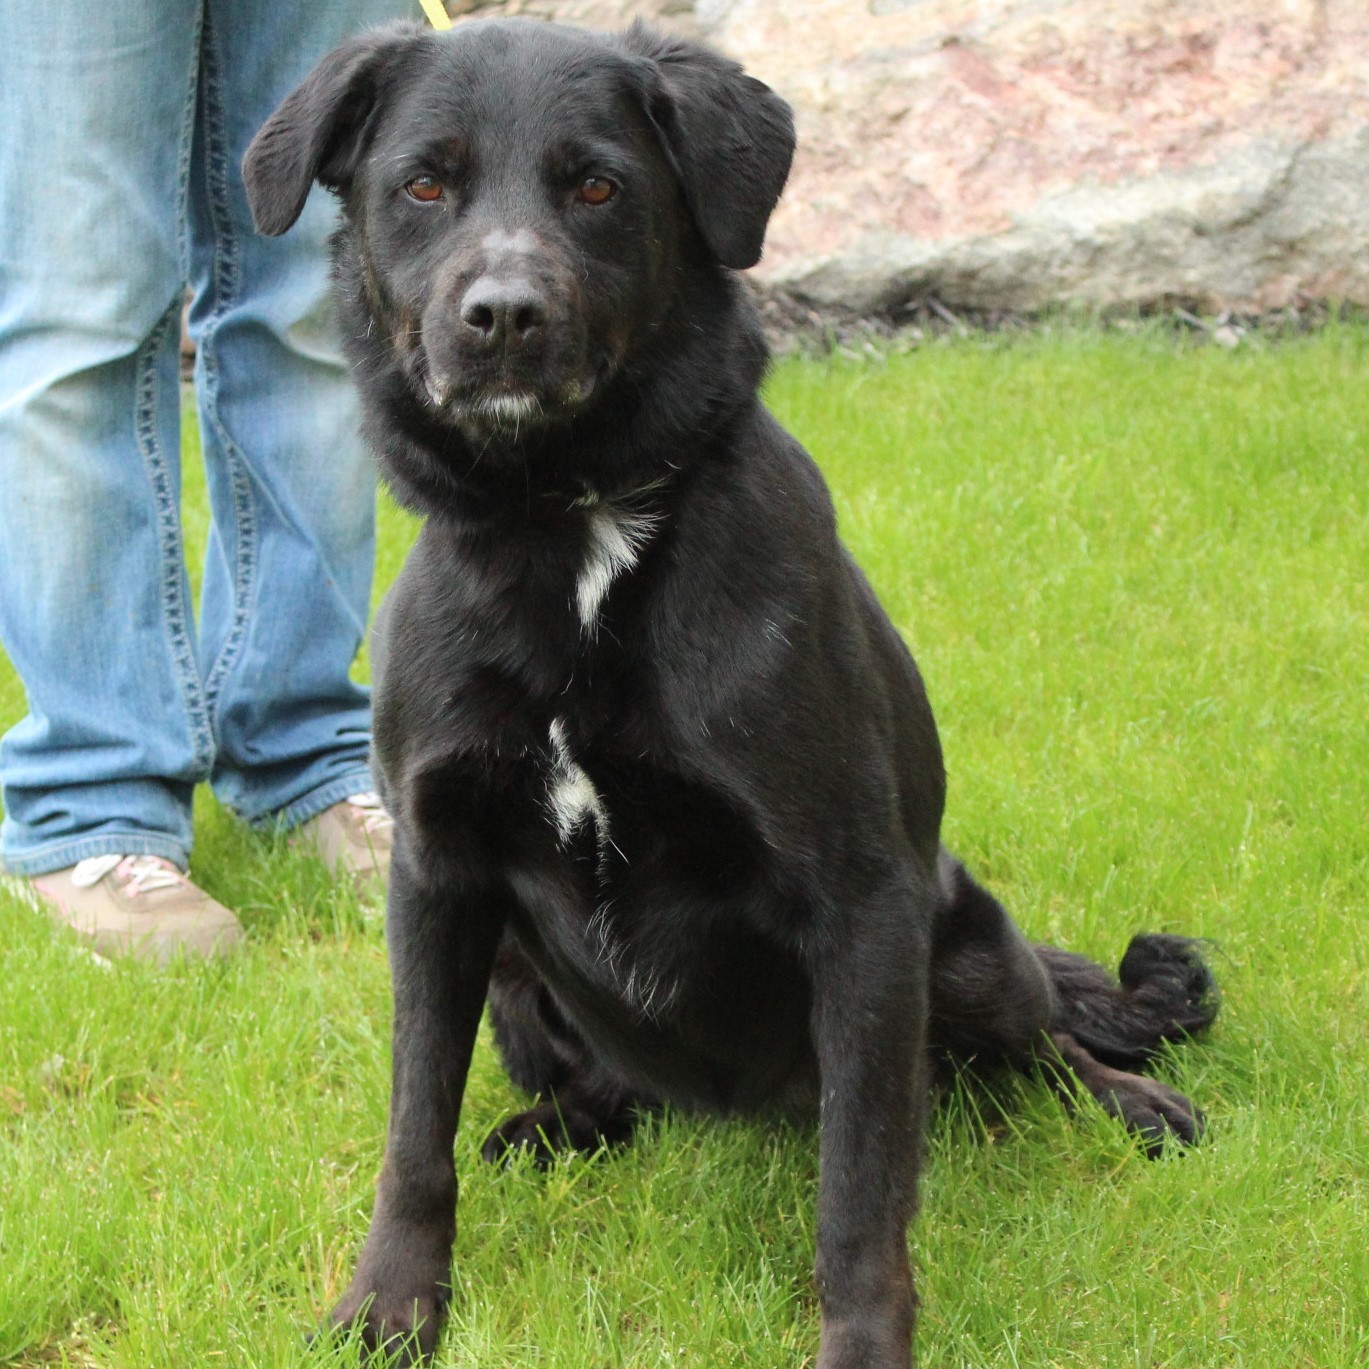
x=353, y=837
x=136, y=905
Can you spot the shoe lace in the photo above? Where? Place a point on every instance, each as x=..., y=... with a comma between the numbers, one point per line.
x=139, y=874
x=374, y=818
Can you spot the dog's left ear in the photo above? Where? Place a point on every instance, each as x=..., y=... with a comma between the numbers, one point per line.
x=730, y=137
x=319, y=131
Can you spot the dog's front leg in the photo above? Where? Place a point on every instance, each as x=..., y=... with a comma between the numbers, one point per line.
x=441, y=951
x=869, y=1028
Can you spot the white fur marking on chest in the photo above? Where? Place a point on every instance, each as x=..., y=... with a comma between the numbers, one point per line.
x=571, y=799
x=571, y=795
x=616, y=538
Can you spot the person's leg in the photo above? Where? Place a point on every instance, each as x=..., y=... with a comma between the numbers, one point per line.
x=288, y=576
x=96, y=99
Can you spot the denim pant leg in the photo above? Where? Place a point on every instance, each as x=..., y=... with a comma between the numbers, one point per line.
x=288, y=577
x=96, y=98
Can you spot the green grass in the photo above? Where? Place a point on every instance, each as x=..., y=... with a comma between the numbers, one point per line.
x=1136, y=575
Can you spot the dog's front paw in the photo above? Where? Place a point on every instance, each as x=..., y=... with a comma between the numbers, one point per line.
x=403, y=1327
x=880, y=1343
x=397, y=1305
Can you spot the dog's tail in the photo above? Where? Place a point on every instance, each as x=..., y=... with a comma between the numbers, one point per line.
x=1166, y=992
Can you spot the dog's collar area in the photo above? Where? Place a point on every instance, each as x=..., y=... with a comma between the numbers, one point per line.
x=582, y=496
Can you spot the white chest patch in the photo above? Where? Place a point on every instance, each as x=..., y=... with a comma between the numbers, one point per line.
x=571, y=795
x=616, y=537
x=572, y=800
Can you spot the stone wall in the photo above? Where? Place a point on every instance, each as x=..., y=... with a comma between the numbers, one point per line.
x=1020, y=154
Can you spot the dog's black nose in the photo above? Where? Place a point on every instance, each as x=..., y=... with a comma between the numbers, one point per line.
x=502, y=315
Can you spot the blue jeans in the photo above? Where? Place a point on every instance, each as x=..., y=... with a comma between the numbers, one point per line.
x=124, y=123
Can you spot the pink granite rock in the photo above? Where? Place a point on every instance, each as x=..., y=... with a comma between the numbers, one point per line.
x=1023, y=153
x=676, y=15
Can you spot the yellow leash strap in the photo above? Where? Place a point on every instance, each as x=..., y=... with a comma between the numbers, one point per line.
x=437, y=16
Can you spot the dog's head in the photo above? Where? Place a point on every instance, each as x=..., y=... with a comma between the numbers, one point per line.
x=520, y=198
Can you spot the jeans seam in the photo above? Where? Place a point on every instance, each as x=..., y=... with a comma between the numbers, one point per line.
x=175, y=610
x=226, y=281
x=185, y=152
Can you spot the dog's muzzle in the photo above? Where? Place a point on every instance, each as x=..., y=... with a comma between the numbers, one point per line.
x=503, y=355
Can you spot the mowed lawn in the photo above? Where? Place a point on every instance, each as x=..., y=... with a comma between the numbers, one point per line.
x=1136, y=574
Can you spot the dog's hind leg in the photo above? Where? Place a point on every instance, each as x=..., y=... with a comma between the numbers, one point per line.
x=996, y=998
x=583, y=1114
x=992, y=1000
x=578, y=1106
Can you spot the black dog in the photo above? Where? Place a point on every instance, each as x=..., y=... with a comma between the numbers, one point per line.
x=666, y=785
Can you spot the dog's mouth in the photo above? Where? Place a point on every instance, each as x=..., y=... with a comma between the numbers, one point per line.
x=507, y=405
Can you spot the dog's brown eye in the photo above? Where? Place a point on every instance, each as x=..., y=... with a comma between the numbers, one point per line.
x=424, y=189
x=596, y=190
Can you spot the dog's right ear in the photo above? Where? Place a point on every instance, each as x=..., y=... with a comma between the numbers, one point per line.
x=319, y=131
